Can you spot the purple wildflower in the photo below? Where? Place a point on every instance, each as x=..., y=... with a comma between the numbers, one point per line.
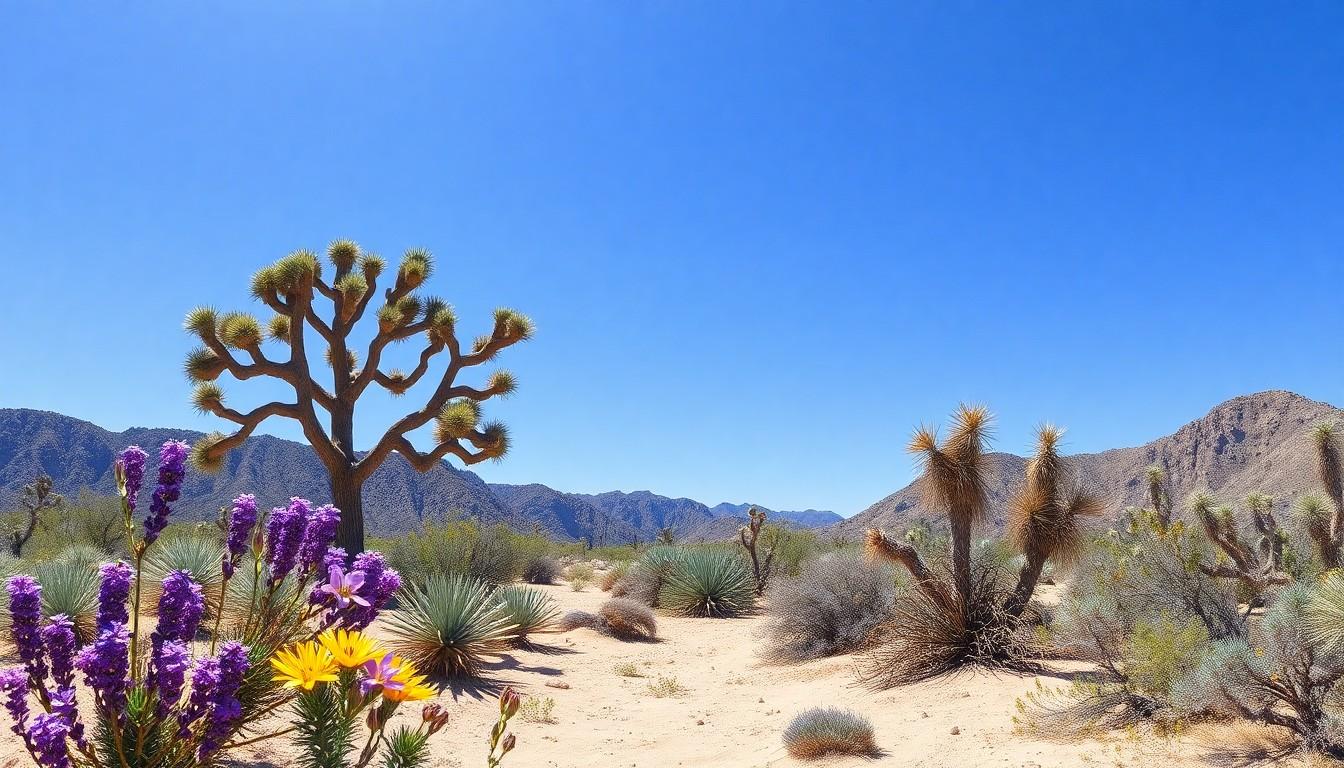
x=14, y=684
x=59, y=638
x=105, y=666
x=172, y=468
x=48, y=735
x=381, y=673
x=380, y=583
x=63, y=703
x=214, y=696
x=25, y=611
x=169, y=672
x=242, y=518
x=345, y=587
x=284, y=536
x=181, y=607
x=318, y=534
x=113, y=591
x=131, y=465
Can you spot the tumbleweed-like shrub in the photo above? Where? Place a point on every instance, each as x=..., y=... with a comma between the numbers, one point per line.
x=447, y=625
x=528, y=611
x=831, y=607
x=643, y=581
x=619, y=617
x=821, y=731
x=613, y=576
x=708, y=582
x=541, y=570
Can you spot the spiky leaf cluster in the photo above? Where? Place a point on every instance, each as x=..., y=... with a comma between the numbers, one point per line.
x=447, y=625
x=529, y=611
x=708, y=582
x=821, y=731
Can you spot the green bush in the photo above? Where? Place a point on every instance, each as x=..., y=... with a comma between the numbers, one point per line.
x=447, y=625
x=528, y=611
x=708, y=582
x=492, y=554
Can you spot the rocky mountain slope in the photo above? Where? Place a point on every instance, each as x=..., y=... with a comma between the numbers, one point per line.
x=1251, y=443
x=806, y=518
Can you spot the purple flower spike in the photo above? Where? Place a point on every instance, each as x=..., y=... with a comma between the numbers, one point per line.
x=25, y=611
x=48, y=735
x=14, y=684
x=59, y=638
x=169, y=672
x=172, y=469
x=131, y=464
x=284, y=536
x=181, y=607
x=214, y=696
x=106, y=666
x=318, y=534
x=113, y=591
x=242, y=518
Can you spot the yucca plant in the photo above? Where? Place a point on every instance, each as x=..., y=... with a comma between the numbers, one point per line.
x=708, y=583
x=644, y=580
x=446, y=626
x=200, y=556
x=71, y=587
x=528, y=611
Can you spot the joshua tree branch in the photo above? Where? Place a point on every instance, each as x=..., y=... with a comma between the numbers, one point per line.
x=424, y=462
x=410, y=380
x=878, y=545
x=375, y=355
x=255, y=416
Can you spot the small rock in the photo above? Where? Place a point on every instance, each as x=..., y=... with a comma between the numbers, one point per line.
x=923, y=714
x=956, y=731
x=699, y=722
x=562, y=685
x=760, y=701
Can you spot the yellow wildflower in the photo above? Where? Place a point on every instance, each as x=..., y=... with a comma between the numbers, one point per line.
x=413, y=686
x=303, y=666
x=349, y=648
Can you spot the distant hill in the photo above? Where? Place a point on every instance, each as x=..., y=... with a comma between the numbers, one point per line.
x=1251, y=443
x=397, y=499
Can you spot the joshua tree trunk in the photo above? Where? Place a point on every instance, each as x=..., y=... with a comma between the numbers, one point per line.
x=347, y=495
x=961, y=557
x=1027, y=578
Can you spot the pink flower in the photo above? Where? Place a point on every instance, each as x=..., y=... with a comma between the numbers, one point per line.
x=344, y=586
x=381, y=673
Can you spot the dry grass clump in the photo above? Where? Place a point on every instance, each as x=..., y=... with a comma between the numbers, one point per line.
x=541, y=570
x=665, y=686
x=628, y=669
x=535, y=710
x=831, y=607
x=580, y=575
x=822, y=731
x=619, y=617
x=613, y=576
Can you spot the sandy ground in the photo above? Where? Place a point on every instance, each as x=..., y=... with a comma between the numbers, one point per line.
x=731, y=711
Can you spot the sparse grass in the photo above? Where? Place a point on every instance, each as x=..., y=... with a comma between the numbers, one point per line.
x=535, y=710
x=627, y=669
x=821, y=731
x=665, y=686
x=580, y=576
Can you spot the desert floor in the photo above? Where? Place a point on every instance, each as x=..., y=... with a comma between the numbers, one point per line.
x=733, y=709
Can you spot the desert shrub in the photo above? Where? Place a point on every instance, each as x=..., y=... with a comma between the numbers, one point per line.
x=708, y=583
x=199, y=555
x=821, y=731
x=542, y=569
x=528, y=611
x=830, y=608
x=1278, y=676
x=666, y=685
x=618, y=617
x=627, y=669
x=644, y=580
x=537, y=710
x=613, y=576
x=927, y=637
x=580, y=575
x=488, y=553
x=447, y=625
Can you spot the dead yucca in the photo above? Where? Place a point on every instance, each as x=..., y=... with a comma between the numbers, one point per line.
x=448, y=625
x=619, y=617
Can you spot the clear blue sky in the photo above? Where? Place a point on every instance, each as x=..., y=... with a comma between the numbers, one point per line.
x=761, y=240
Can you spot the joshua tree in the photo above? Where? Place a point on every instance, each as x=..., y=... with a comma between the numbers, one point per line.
x=1325, y=521
x=974, y=620
x=37, y=496
x=291, y=287
x=749, y=535
x=666, y=535
x=1257, y=567
x=1156, y=479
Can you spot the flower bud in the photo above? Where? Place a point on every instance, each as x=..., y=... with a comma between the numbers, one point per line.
x=375, y=718
x=509, y=743
x=434, y=716
x=509, y=702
